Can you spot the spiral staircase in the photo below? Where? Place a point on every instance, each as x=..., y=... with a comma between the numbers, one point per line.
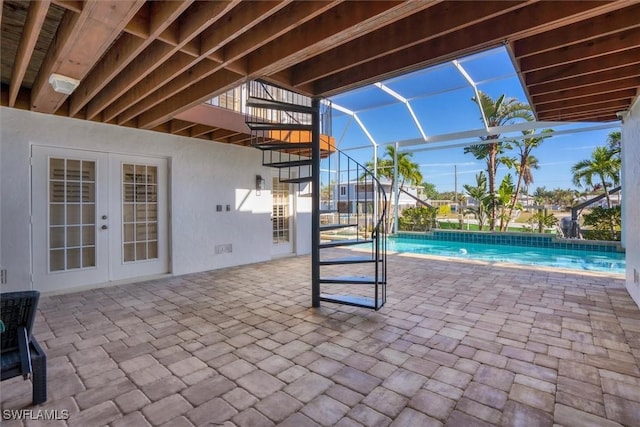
x=348, y=203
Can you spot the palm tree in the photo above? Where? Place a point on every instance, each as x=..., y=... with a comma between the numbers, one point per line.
x=497, y=113
x=614, y=142
x=504, y=196
x=479, y=194
x=408, y=172
x=540, y=195
x=526, y=162
x=604, y=164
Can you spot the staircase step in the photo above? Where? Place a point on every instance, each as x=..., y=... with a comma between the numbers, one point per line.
x=327, y=227
x=278, y=105
x=348, y=242
x=289, y=164
x=290, y=146
x=278, y=126
x=297, y=180
x=352, y=280
x=355, y=301
x=348, y=260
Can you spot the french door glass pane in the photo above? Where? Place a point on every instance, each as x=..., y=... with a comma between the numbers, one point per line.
x=280, y=213
x=139, y=212
x=71, y=214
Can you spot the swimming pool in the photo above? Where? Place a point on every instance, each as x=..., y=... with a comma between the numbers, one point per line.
x=610, y=262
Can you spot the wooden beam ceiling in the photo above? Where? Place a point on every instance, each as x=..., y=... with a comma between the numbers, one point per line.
x=144, y=63
x=33, y=25
x=80, y=42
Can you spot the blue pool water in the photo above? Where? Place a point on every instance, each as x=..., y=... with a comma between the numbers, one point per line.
x=610, y=262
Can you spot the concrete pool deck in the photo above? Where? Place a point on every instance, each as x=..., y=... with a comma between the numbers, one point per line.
x=457, y=344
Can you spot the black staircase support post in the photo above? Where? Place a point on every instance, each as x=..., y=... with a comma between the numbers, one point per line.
x=315, y=203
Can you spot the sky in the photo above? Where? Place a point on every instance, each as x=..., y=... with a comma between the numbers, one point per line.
x=441, y=100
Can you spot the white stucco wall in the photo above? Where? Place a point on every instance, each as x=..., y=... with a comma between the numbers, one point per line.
x=631, y=203
x=202, y=175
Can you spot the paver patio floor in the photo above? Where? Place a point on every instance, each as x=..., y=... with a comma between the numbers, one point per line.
x=457, y=344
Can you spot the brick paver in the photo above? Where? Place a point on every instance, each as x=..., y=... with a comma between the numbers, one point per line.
x=458, y=344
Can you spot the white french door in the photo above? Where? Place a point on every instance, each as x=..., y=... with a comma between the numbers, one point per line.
x=281, y=218
x=96, y=217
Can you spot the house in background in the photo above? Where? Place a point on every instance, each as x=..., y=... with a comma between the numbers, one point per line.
x=355, y=196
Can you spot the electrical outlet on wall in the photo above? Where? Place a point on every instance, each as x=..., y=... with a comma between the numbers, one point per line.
x=223, y=249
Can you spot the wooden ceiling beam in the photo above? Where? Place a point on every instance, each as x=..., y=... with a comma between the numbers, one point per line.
x=343, y=23
x=600, y=117
x=613, y=61
x=237, y=22
x=176, y=125
x=80, y=42
x=439, y=19
x=75, y=6
x=592, y=49
x=524, y=21
x=595, y=89
x=126, y=49
x=151, y=58
x=220, y=134
x=202, y=73
x=191, y=96
x=199, y=130
x=293, y=15
x=621, y=73
x=587, y=100
x=173, y=87
x=139, y=27
x=191, y=23
x=233, y=24
x=581, y=109
x=239, y=139
x=579, y=32
x=607, y=114
x=172, y=68
x=68, y=30
x=30, y=32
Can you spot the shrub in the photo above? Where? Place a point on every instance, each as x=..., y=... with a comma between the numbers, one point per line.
x=421, y=218
x=604, y=223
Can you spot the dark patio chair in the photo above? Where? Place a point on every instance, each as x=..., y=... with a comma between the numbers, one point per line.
x=21, y=353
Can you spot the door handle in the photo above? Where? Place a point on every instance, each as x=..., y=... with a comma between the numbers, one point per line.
x=104, y=227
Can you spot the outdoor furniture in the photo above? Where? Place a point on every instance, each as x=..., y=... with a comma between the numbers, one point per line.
x=21, y=353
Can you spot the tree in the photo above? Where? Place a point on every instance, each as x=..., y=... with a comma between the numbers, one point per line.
x=448, y=195
x=604, y=164
x=430, y=191
x=480, y=195
x=419, y=218
x=605, y=223
x=408, y=172
x=503, y=197
x=542, y=219
x=497, y=113
x=525, y=162
x=614, y=142
x=540, y=195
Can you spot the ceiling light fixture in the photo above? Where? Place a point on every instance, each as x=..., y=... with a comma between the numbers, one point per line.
x=63, y=84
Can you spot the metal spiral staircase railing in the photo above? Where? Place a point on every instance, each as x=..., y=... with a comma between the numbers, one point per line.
x=348, y=202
